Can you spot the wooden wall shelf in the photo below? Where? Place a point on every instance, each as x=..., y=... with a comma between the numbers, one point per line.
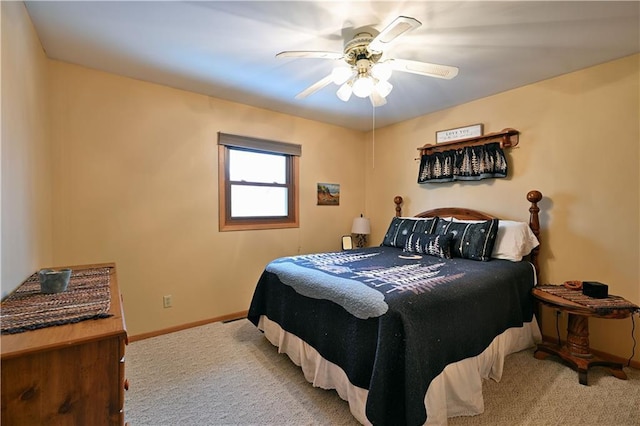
x=507, y=137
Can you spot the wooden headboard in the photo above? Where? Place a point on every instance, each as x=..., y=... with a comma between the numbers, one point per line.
x=533, y=197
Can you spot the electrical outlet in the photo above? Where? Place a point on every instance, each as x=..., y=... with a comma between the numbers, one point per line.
x=167, y=301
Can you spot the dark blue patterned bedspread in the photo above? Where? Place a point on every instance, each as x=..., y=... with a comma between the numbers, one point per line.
x=393, y=324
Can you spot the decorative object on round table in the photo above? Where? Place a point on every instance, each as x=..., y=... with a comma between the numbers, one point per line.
x=573, y=285
x=52, y=281
x=595, y=289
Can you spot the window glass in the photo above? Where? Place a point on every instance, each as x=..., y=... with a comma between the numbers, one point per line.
x=258, y=201
x=252, y=166
x=258, y=185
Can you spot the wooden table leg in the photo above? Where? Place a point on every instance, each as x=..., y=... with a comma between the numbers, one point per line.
x=578, y=336
x=576, y=352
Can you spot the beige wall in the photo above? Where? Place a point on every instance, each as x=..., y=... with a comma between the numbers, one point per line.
x=133, y=171
x=26, y=153
x=579, y=146
x=135, y=182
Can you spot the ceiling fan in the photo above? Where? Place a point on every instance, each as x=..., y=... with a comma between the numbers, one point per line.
x=365, y=72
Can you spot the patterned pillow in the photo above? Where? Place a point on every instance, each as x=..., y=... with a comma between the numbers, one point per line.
x=400, y=228
x=431, y=244
x=472, y=240
x=441, y=226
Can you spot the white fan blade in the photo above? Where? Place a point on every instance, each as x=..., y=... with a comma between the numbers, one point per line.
x=310, y=54
x=424, y=68
x=315, y=87
x=399, y=26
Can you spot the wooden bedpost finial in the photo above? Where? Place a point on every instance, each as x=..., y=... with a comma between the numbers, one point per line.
x=534, y=223
x=534, y=196
x=398, y=200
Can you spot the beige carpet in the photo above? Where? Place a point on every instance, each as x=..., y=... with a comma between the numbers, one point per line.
x=229, y=374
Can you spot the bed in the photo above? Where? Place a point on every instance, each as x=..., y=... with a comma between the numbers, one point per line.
x=406, y=331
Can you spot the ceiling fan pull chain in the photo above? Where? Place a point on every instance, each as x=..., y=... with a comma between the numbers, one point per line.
x=373, y=138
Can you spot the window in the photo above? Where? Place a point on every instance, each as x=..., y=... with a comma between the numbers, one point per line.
x=258, y=183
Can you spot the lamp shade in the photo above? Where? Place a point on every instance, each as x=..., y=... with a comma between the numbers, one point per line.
x=344, y=92
x=381, y=71
x=361, y=226
x=341, y=75
x=362, y=86
x=384, y=88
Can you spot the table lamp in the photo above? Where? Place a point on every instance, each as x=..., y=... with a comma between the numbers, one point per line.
x=360, y=229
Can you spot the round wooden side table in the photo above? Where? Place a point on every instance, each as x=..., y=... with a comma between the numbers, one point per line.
x=576, y=351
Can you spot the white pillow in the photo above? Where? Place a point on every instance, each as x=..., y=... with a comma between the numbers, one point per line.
x=513, y=241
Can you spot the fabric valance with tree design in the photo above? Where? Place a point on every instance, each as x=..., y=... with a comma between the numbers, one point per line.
x=467, y=163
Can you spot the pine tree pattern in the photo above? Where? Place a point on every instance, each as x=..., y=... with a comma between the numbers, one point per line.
x=438, y=245
x=447, y=170
x=333, y=262
x=415, y=277
x=468, y=163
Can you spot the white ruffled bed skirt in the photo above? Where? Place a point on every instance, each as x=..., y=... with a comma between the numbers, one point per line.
x=457, y=391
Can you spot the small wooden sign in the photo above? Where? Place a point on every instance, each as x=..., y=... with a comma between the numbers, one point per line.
x=449, y=135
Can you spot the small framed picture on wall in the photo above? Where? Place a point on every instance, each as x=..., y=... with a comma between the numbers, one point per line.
x=328, y=194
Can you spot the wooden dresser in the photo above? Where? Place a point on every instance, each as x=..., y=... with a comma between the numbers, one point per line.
x=68, y=374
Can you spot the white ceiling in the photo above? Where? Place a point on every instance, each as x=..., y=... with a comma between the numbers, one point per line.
x=226, y=49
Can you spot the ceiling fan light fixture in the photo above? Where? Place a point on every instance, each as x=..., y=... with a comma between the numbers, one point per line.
x=362, y=86
x=361, y=70
x=376, y=99
x=341, y=75
x=383, y=88
x=381, y=70
x=344, y=92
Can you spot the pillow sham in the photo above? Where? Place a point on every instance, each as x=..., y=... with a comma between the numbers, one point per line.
x=513, y=241
x=442, y=225
x=473, y=241
x=431, y=244
x=400, y=228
